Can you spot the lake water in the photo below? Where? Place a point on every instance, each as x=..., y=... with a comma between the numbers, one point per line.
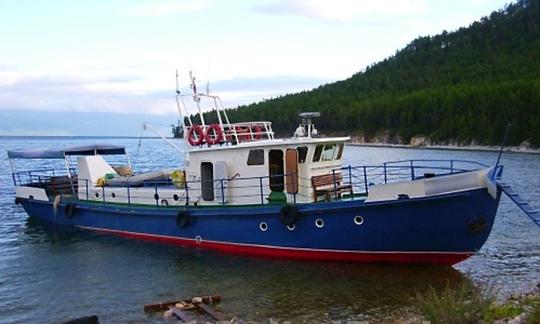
x=48, y=275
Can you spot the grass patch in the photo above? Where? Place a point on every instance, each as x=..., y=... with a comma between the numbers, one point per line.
x=534, y=315
x=497, y=312
x=460, y=305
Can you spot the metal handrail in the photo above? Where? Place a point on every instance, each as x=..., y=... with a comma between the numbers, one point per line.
x=360, y=178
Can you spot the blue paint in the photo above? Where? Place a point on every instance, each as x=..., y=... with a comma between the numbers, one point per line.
x=432, y=224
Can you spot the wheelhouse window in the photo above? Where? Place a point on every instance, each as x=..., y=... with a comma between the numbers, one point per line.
x=255, y=157
x=328, y=152
x=318, y=152
x=302, y=154
x=340, y=151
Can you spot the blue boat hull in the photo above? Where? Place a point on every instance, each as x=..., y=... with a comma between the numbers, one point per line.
x=443, y=229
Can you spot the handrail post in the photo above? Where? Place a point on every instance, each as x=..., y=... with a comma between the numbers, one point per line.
x=350, y=175
x=222, y=193
x=86, y=181
x=412, y=170
x=384, y=164
x=335, y=185
x=128, y=194
x=261, y=190
x=365, y=180
x=187, y=192
x=451, y=166
x=103, y=193
x=156, y=197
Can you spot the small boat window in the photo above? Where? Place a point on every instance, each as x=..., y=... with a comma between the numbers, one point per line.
x=302, y=154
x=328, y=153
x=318, y=151
x=255, y=157
x=340, y=151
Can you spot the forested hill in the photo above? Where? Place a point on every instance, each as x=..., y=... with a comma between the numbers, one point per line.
x=461, y=86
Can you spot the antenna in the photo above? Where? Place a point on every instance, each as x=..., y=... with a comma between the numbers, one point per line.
x=177, y=87
x=503, y=143
x=193, y=85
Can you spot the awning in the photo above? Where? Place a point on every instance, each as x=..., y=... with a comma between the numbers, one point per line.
x=97, y=149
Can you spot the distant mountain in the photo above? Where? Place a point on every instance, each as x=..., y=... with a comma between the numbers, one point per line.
x=463, y=87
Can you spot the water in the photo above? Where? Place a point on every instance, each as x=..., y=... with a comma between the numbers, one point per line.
x=54, y=275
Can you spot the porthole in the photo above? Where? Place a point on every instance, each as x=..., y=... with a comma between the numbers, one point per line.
x=319, y=223
x=291, y=227
x=198, y=239
x=113, y=195
x=358, y=220
x=164, y=202
x=175, y=197
x=263, y=226
x=97, y=194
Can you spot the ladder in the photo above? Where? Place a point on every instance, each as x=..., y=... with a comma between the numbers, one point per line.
x=534, y=214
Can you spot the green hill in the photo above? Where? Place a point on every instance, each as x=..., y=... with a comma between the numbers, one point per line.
x=461, y=86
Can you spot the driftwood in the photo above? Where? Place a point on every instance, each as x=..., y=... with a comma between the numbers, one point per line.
x=163, y=306
x=210, y=311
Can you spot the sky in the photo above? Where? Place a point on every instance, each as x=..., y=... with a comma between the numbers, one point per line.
x=83, y=60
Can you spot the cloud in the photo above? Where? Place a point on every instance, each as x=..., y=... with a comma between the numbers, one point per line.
x=162, y=8
x=123, y=94
x=343, y=10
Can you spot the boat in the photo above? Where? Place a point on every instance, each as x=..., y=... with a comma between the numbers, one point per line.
x=242, y=190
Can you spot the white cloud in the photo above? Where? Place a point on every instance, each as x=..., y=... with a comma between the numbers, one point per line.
x=123, y=93
x=344, y=10
x=161, y=8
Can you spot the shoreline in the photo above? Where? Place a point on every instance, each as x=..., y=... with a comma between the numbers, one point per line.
x=508, y=149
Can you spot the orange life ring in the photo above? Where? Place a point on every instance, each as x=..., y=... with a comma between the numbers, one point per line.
x=257, y=132
x=242, y=133
x=195, y=135
x=218, y=134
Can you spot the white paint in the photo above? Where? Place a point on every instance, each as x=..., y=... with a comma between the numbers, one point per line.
x=36, y=193
x=432, y=186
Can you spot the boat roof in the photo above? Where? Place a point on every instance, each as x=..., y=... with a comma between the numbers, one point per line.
x=95, y=149
x=274, y=142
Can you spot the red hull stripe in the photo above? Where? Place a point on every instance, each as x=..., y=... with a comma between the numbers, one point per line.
x=300, y=253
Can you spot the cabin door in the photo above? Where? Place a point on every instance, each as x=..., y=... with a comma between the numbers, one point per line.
x=276, y=170
x=291, y=171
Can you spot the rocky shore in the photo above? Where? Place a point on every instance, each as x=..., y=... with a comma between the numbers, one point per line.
x=422, y=142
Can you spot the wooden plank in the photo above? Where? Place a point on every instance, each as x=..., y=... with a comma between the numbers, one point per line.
x=180, y=314
x=163, y=306
x=210, y=311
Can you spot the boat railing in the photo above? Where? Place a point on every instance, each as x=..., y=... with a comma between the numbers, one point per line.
x=257, y=190
x=364, y=176
x=166, y=192
x=232, y=134
x=38, y=176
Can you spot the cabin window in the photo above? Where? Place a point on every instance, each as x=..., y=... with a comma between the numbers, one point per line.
x=318, y=152
x=255, y=157
x=328, y=153
x=207, y=181
x=302, y=154
x=340, y=151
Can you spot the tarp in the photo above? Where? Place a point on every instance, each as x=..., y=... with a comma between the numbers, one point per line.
x=100, y=149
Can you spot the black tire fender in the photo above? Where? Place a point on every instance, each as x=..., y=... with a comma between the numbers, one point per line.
x=183, y=218
x=288, y=215
x=18, y=200
x=69, y=210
